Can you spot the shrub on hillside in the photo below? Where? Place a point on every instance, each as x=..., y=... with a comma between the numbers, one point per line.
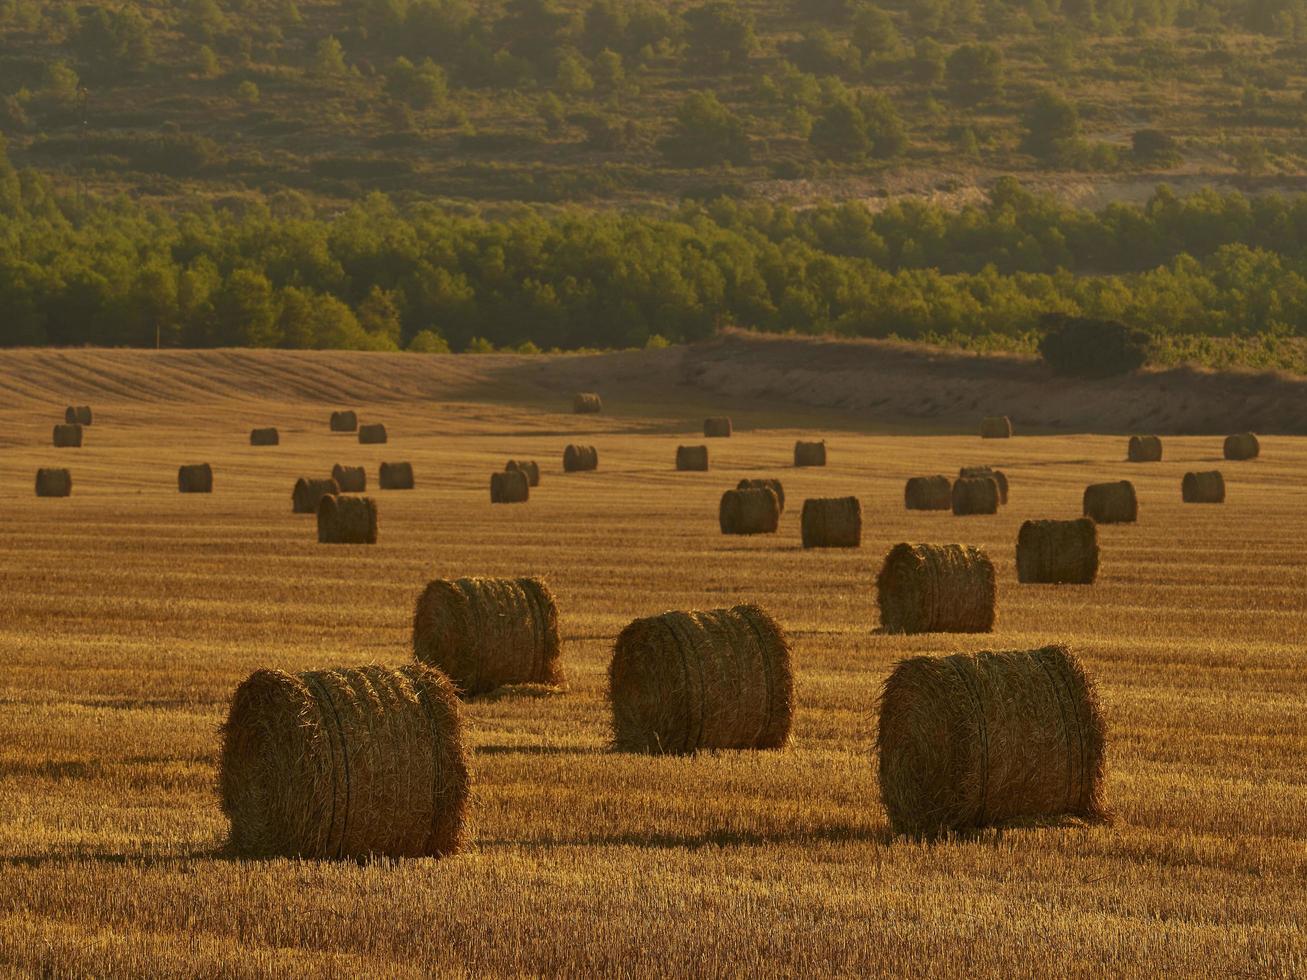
x=1085, y=347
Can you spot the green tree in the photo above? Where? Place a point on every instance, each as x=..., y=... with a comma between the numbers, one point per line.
x=928, y=61
x=840, y=132
x=706, y=132
x=571, y=76
x=329, y=58
x=244, y=314
x=379, y=315
x=721, y=35
x=974, y=73
x=1051, y=122
x=885, y=128
x=874, y=33
x=428, y=342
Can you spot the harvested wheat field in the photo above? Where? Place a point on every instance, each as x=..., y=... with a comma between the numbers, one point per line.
x=130, y=614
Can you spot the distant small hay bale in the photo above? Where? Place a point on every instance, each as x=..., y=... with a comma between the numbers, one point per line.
x=265, y=437
x=692, y=458
x=587, y=403
x=754, y=511
x=347, y=520
x=350, y=479
x=687, y=681
x=1244, y=445
x=1144, y=449
x=832, y=522
x=996, y=427
x=396, y=476
x=528, y=466
x=308, y=493
x=810, y=453
x=68, y=436
x=53, y=483
x=1111, y=503
x=928, y=493
x=765, y=483
x=372, y=434
x=345, y=763
x=976, y=495
x=344, y=421
x=981, y=739
x=580, y=459
x=488, y=632
x=1203, y=488
x=978, y=472
x=195, y=478
x=717, y=427
x=509, y=487
x=1058, y=552
x=78, y=415
x=936, y=588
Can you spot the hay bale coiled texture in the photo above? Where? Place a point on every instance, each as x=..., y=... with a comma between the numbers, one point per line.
x=580, y=459
x=1144, y=449
x=996, y=427
x=936, y=588
x=488, y=632
x=980, y=472
x=692, y=458
x=1203, y=488
x=717, y=427
x=1111, y=503
x=749, y=511
x=308, y=493
x=396, y=476
x=768, y=484
x=265, y=437
x=832, y=522
x=68, y=436
x=347, y=520
x=78, y=415
x=587, y=403
x=345, y=763
x=686, y=681
x=810, y=453
x=372, y=434
x=528, y=466
x=1244, y=445
x=509, y=487
x=195, y=478
x=928, y=493
x=350, y=479
x=344, y=421
x=979, y=739
x=1058, y=552
x=976, y=495
x=54, y=483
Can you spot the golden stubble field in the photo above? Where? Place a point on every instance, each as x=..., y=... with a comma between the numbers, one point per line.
x=130, y=613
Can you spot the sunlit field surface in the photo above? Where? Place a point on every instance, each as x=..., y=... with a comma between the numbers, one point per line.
x=130, y=613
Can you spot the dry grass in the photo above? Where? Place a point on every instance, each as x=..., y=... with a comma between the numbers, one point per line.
x=132, y=612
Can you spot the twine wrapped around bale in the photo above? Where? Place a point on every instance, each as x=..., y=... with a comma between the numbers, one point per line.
x=372, y=434
x=68, y=436
x=488, y=632
x=1144, y=449
x=1203, y=488
x=344, y=421
x=396, y=476
x=980, y=472
x=693, y=458
x=580, y=459
x=996, y=427
x=587, y=403
x=347, y=520
x=936, y=588
x=982, y=739
x=1111, y=503
x=1244, y=445
x=78, y=415
x=810, y=453
x=832, y=522
x=53, y=483
x=308, y=493
x=528, y=466
x=976, y=495
x=509, y=487
x=686, y=681
x=195, y=478
x=717, y=427
x=765, y=483
x=265, y=437
x=1058, y=552
x=928, y=493
x=350, y=479
x=345, y=763
x=749, y=511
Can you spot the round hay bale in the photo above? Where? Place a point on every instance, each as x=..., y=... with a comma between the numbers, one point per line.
x=265, y=437
x=1058, y=552
x=765, y=483
x=979, y=472
x=347, y=520
x=832, y=522
x=928, y=493
x=692, y=458
x=936, y=588
x=810, y=453
x=981, y=739
x=580, y=459
x=488, y=632
x=587, y=403
x=346, y=763
x=77, y=415
x=996, y=427
x=1111, y=503
x=1203, y=488
x=749, y=511
x=509, y=487
x=396, y=476
x=372, y=434
x=350, y=479
x=976, y=495
x=1244, y=445
x=528, y=466
x=717, y=427
x=308, y=494
x=1144, y=449
x=54, y=483
x=344, y=421
x=68, y=436
x=195, y=478
x=686, y=681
